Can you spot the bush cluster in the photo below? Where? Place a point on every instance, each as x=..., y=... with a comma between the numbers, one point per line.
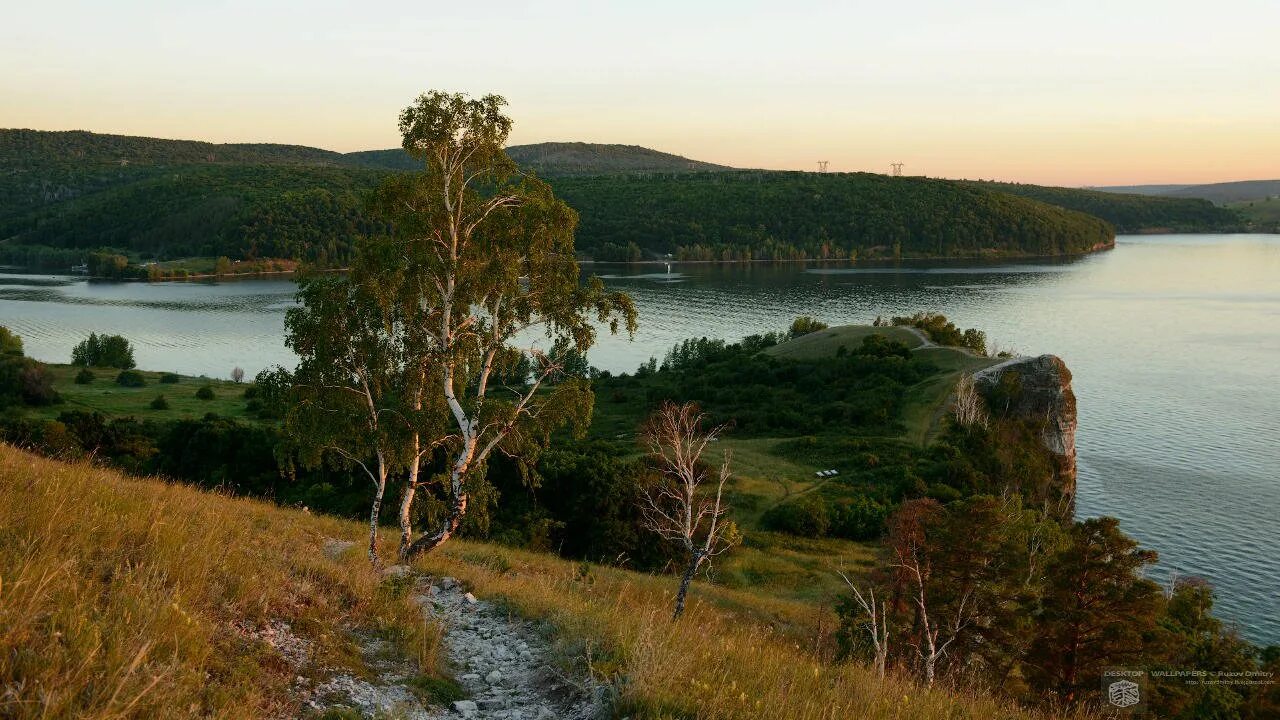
x=112, y=351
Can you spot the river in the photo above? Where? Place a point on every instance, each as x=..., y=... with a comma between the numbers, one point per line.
x=1174, y=342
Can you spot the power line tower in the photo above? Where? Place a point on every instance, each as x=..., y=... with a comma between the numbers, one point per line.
x=897, y=169
x=822, y=166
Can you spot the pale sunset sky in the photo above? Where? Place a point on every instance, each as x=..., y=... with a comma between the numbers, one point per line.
x=1086, y=92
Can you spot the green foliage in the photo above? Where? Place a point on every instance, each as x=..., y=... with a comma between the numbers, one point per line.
x=758, y=394
x=130, y=378
x=169, y=378
x=112, y=351
x=807, y=517
x=171, y=200
x=583, y=506
x=1130, y=213
x=24, y=381
x=804, y=325
x=767, y=215
x=436, y=690
x=1095, y=602
x=269, y=393
x=945, y=332
x=85, y=376
x=160, y=403
x=10, y=344
x=108, y=265
x=205, y=392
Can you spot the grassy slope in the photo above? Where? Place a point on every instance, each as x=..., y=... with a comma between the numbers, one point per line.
x=924, y=402
x=121, y=599
x=1259, y=211
x=779, y=565
x=105, y=396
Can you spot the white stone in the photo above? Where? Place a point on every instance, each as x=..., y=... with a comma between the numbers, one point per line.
x=464, y=706
x=471, y=599
x=396, y=571
x=493, y=678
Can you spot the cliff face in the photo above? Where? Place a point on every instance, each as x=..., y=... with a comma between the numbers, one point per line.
x=1036, y=391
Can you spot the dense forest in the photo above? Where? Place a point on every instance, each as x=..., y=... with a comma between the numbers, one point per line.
x=1131, y=213
x=766, y=215
x=66, y=194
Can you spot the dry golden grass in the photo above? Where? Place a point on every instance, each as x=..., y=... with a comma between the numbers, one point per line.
x=120, y=598
x=733, y=655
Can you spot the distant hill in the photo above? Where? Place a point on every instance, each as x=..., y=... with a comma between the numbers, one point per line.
x=777, y=215
x=1220, y=193
x=1131, y=213
x=563, y=159
x=573, y=158
x=25, y=148
x=65, y=193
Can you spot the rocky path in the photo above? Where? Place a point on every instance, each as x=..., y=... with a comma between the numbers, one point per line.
x=507, y=666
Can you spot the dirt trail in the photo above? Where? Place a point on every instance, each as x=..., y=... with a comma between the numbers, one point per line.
x=507, y=665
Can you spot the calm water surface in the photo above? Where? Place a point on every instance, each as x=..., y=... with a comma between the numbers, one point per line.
x=1174, y=342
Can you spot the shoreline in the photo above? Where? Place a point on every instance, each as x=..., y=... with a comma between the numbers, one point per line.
x=869, y=262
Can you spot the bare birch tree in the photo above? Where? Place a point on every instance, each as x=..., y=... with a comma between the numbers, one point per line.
x=877, y=624
x=677, y=507
x=937, y=624
x=968, y=406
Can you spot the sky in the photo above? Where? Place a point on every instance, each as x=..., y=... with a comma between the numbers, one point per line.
x=1074, y=93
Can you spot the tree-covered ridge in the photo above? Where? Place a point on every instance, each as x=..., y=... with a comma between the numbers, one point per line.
x=20, y=147
x=773, y=215
x=241, y=211
x=65, y=193
x=557, y=159
x=553, y=159
x=1130, y=213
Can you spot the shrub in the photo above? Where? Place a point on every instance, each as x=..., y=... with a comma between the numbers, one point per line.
x=945, y=332
x=85, y=376
x=804, y=325
x=160, y=403
x=130, y=378
x=807, y=517
x=205, y=392
x=25, y=381
x=237, y=374
x=10, y=344
x=169, y=378
x=111, y=351
x=858, y=518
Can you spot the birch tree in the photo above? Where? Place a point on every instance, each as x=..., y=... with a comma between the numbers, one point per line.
x=488, y=257
x=678, y=507
x=352, y=379
x=876, y=623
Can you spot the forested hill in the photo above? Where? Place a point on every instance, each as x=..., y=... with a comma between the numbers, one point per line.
x=772, y=215
x=28, y=148
x=1130, y=213
x=553, y=159
x=64, y=194
x=1220, y=193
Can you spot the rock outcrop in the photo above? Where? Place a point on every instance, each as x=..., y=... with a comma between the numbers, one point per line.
x=1037, y=391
